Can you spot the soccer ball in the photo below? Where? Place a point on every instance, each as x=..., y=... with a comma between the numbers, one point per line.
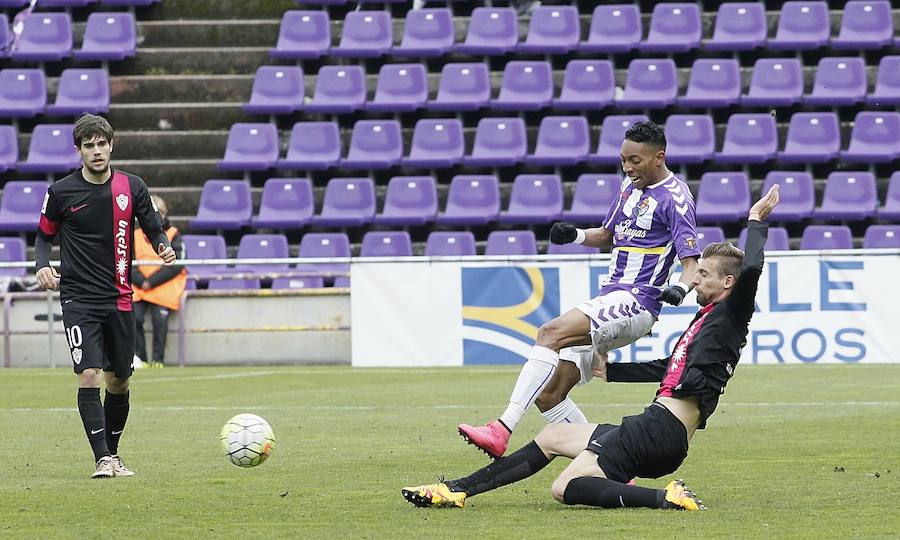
x=247, y=440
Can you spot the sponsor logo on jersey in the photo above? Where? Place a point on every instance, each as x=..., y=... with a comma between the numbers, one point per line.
x=623, y=229
x=122, y=246
x=74, y=208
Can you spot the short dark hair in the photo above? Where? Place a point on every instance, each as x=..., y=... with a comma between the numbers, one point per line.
x=647, y=132
x=90, y=126
x=730, y=258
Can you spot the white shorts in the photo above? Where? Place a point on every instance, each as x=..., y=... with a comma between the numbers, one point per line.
x=618, y=319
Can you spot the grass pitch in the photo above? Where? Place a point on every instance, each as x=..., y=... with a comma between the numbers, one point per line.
x=792, y=452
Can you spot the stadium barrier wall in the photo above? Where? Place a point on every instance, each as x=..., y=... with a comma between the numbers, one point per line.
x=812, y=307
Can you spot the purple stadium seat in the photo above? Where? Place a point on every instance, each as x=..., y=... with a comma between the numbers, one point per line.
x=9, y=148
x=740, y=26
x=324, y=245
x=303, y=34
x=849, y=196
x=875, y=137
x=526, y=86
x=51, y=150
x=839, y=81
x=651, y=84
x=81, y=91
x=890, y=210
x=713, y=83
x=386, y=244
x=612, y=133
x=201, y=246
x=865, y=24
x=535, y=198
x=128, y=2
x=401, y=87
x=491, y=31
x=812, y=138
x=305, y=282
x=108, y=36
x=12, y=249
x=887, y=82
x=708, y=235
x=498, y=142
x=255, y=246
x=690, y=138
x=224, y=205
x=674, y=27
x=797, y=196
x=511, y=243
x=63, y=3
x=46, y=37
x=826, y=237
x=777, y=241
x=286, y=203
x=775, y=82
x=723, y=197
x=570, y=249
x=881, y=237
x=276, y=90
x=749, y=138
x=801, y=26
x=20, y=208
x=366, y=34
x=313, y=146
x=587, y=85
x=251, y=147
x=450, y=244
x=23, y=92
x=410, y=200
x=338, y=89
x=552, y=30
x=561, y=140
x=436, y=143
x=463, y=87
x=6, y=35
x=374, y=144
x=427, y=32
x=13, y=3
x=614, y=29
x=349, y=202
x=471, y=200
x=593, y=197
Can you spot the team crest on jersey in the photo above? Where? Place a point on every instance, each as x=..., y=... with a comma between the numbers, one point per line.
x=76, y=355
x=690, y=242
x=122, y=201
x=643, y=207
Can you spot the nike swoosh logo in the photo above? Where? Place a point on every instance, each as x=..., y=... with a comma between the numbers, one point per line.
x=74, y=209
x=96, y=431
x=595, y=443
x=117, y=432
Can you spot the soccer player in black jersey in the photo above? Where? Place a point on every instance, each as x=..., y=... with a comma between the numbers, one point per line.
x=654, y=443
x=92, y=212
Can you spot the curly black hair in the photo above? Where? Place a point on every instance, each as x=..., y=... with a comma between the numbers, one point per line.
x=647, y=132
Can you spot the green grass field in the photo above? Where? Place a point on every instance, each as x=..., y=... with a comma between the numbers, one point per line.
x=348, y=440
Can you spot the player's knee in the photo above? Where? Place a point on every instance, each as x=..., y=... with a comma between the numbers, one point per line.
x=550, y=334
x=116, y=385
x=558, y=489
x=549, y=398
x=89, y=378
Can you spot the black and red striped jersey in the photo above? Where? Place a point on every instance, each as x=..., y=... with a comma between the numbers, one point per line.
x=705, y=356
x=94, y=223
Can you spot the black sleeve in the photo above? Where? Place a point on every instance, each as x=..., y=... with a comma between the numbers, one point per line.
x=742, y=297
x=166, y=273
x=150, y=220
x=47, y=229
x=42, y=249
x=653, y=371
x=137, y=277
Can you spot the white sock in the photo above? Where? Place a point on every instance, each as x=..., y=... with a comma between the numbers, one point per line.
x=534, y=376
x=565, y=411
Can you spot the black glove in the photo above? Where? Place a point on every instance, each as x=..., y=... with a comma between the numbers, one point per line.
x=563, y=233
x=673, y=294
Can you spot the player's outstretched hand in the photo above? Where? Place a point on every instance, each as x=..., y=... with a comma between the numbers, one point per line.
x=166, y=253
x=563, y=233
x=48, y=278
x=673, y=294
x=764, y=206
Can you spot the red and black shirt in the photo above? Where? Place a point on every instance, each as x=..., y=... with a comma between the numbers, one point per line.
x=707, y=353
x=94, y=223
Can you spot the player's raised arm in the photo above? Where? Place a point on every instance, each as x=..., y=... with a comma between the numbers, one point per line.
x=566, y=233
x=742, y=297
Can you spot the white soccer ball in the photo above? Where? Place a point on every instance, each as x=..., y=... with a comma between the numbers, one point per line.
x=247, y=440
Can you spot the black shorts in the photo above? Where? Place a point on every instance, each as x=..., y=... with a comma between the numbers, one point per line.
x=648, y=445
x=100, y=338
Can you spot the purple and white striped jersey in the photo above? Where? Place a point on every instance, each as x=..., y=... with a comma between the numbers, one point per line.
x=650, y=227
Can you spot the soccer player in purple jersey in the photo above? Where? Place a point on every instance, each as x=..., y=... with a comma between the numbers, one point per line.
x=654, y=443
x=92, y=212
x=649, y=225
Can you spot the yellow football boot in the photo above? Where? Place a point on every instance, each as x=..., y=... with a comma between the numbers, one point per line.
x=434, y=495
x=681, y=497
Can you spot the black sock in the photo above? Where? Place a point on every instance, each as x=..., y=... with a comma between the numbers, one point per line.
x=606, y=493
x=521, y=464
x=115, y=406
x=92, y=417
